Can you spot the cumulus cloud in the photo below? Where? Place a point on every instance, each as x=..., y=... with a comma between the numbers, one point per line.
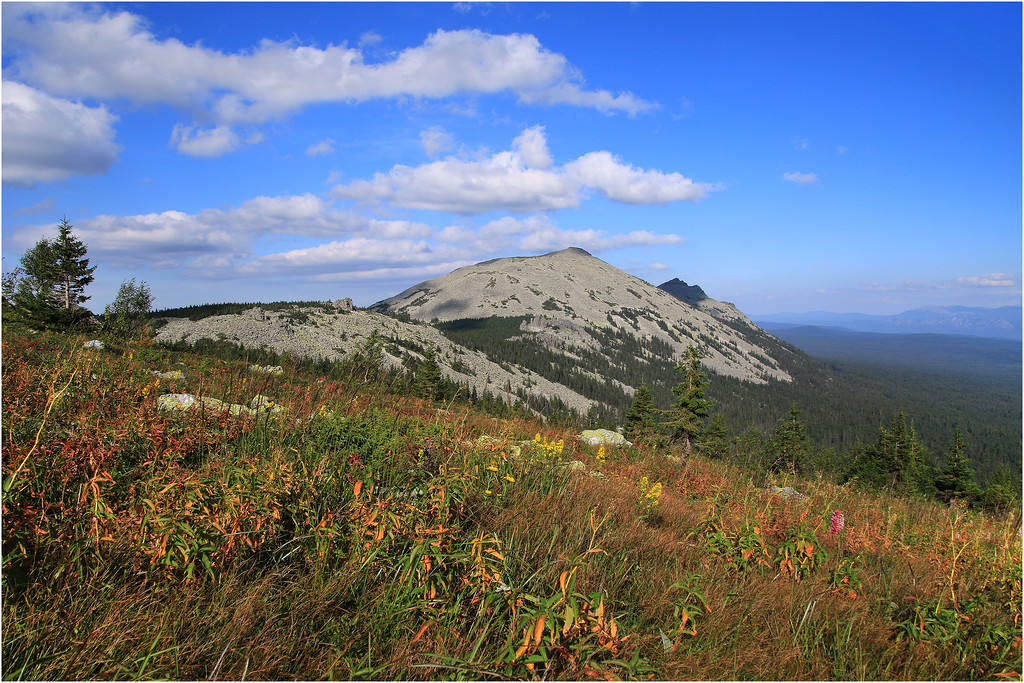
x=321, y=148
x=435, y=140
x=46, y=139
x=219, y=238
x=801, y=178
x=523, y=180
x=209, y=143
x=629, y=185
x=83, y=51
x=989, y=280
x=532, y=148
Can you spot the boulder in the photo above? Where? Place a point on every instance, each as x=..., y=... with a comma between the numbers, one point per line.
x=173, y=375
x=175, y=403
x=269, y=369
x=598, y=437
x=93, y=344
x=786, y=492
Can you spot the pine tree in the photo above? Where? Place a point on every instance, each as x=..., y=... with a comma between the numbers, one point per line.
x=639, y=425
x=957, y=479
x=685, y=420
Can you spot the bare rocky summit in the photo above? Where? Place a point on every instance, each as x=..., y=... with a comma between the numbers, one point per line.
x=569, y=293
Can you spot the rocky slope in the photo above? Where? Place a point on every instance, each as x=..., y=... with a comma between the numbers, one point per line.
x=563, y=326
x=571, y=297
x=314, y=333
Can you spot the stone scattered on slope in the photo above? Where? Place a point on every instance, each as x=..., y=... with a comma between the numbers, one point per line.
x=172, y=375
x=176, y=403
x=786, y=492
x=598, y=437
x=93, y=344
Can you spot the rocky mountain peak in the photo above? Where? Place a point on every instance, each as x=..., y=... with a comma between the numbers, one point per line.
x=571, y=298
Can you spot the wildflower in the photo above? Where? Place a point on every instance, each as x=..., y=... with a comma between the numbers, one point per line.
x=510, y=478
x=492, y=468
x=838, y=522
x=487, y=492
x=600, y=455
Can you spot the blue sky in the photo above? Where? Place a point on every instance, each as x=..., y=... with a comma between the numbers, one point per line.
x=786, y=157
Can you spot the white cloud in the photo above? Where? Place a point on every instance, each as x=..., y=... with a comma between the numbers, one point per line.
x=46, y=139
x=801, y=178
x=533, y=148
x=81, y=51
x=629, y=185
x=173, y=239
x=209, y=143
x=520, y=181
x=435, y=140
x=989, y=280
x=467, y=187
x=321, y=148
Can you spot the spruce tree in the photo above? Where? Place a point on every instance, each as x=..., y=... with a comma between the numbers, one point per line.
x=715, y=441
x=639, y=425
x=897, y=461
x=957, y=479
x=71, y=266
x=47, y=289
x=789, y=444
x=685, y=419
x=428, y=375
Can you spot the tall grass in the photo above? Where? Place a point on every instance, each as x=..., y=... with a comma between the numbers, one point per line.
x=366, y=534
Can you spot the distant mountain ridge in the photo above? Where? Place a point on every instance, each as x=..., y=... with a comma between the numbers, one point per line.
x=1003, y=322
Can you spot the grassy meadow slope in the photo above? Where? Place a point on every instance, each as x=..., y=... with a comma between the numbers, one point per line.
x=362, y=533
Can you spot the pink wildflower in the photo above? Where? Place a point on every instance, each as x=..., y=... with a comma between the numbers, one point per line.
x=838, y=522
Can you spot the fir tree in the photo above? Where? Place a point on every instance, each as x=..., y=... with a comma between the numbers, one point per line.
x=685, y=419
x=47, y=289
x=897, y=461
x=639, y=425
x=957, y=479
x=788, y=446
x=71, y=266
x=715, y=441
x=428, y=375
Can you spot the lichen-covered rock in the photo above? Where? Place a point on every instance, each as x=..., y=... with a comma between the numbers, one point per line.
x=172, y=375
x=269, y=369
x=265, y=404
x=175, y=403
x=598, y=437
x=786, y=492
x=93, y=344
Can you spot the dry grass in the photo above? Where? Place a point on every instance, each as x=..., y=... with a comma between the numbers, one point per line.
x=369, y=535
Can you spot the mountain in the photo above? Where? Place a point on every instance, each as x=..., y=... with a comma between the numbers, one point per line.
x=571, y=301
x=1003, y=322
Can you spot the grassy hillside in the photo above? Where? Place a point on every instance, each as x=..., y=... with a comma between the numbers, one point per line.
x=341, y=531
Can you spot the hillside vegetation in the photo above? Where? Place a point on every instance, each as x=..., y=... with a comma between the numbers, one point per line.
x=341, y=528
